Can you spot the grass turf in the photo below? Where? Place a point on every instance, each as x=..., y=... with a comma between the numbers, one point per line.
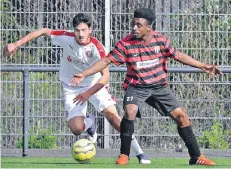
x=38, y=162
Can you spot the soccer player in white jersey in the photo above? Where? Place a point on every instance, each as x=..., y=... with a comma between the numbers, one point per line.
x=81, y=50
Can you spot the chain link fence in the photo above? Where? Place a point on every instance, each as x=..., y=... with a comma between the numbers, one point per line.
x=200, y=28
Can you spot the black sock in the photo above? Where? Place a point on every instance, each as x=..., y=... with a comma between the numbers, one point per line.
x=126, y=131
x=189, y=138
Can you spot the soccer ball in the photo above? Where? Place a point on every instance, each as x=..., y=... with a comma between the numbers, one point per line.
x=83, y=151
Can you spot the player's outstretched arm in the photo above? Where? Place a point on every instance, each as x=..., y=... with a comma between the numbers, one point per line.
x=10, y=49
x=81, y=98
x=210, y=69
x=96, y=67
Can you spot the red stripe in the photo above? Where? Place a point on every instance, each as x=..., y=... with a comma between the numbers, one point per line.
x=62, y=32
x=171, y=51
x=119, y=55
x=158, y=78
x=131, y=81
x=125, y=86
x=113, y=59
x=99, y=47
x=149, y=49
x=145, y=58
x=160, y=39
x=150, y=81
x=127, y=40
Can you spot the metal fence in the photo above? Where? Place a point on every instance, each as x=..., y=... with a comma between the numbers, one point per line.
x=200, y=29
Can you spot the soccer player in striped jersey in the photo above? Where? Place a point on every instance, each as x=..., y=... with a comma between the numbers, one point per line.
x=145, y=53
x=80, y=50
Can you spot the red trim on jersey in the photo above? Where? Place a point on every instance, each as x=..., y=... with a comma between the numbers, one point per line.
x=112, y=97
x=99, y=47
x=62, y=33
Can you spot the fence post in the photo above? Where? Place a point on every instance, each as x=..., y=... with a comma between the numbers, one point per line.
x=25, y=111
x=107, y=46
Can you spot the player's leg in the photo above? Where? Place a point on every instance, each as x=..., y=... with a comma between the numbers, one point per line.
x=167, y=104
x=103, y=101
x=186, y=133
x=133, y=100
x=76, y=114
x=114, y=119
x=77, y=125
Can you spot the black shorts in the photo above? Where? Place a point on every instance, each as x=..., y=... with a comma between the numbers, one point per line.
x=161, y=98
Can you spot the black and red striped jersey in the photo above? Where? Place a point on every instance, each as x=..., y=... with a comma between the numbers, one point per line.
x=146, y=61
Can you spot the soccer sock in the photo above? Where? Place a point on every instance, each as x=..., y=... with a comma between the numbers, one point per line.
x=126, y=131
x=87, y=123
x=189, y=138
x=135, y=146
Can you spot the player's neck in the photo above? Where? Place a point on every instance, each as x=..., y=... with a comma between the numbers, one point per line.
x=147, y=38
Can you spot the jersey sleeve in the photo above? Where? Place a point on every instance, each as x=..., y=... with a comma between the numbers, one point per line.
x=59, y=37
x=118, y=55
x=101, y=50
x=171, y=50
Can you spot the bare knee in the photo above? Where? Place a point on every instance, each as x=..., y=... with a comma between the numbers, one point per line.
x=130, y=111
x=77, y=125
x=181, y=117
x=76, y=131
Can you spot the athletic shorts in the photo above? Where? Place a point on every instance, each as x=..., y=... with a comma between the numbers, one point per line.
x=161, y=98
x=100, y=100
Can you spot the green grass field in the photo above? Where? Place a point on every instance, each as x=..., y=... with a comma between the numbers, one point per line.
x=38, y=162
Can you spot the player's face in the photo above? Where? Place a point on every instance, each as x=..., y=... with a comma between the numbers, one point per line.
x=140, y=28
x=82, y=33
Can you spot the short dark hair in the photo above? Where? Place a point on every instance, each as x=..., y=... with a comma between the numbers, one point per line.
x=146, y=13
x=81, y=18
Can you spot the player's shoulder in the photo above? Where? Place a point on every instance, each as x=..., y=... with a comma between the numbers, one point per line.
x=158, y=35
x=97, y=43
x=98, y=46
x=62, y=33
x=128, y=40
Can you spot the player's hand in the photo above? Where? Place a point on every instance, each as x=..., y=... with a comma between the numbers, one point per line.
x=77, y=79
x=10, y=49
x=212, y=70
x=81, y=98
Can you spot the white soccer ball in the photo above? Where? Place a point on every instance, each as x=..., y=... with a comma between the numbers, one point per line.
x=83, y=151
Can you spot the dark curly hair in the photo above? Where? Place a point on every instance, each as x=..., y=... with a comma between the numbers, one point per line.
x=146, y=13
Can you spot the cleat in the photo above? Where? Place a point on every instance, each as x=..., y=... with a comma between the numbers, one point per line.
x=201, y=160
x=92, y=130
x=143, y=159
x=122, y=159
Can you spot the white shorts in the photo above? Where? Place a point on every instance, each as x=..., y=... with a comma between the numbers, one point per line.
x=100, y=100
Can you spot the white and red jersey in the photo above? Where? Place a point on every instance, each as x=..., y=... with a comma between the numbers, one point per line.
x=76, y=57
